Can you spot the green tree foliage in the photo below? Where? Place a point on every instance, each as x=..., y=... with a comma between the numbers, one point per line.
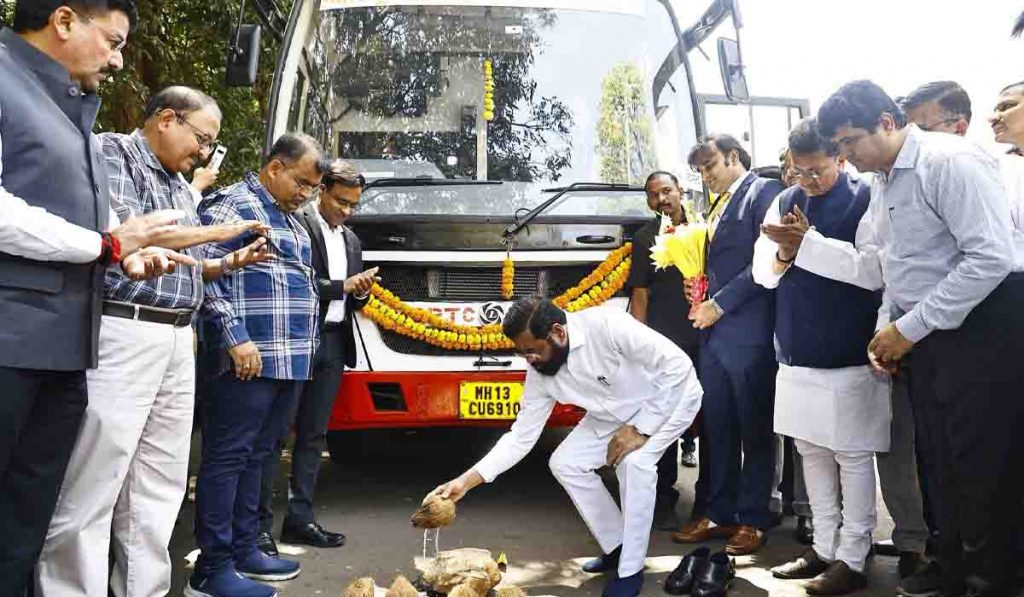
x=624, y=128
x=186, y=42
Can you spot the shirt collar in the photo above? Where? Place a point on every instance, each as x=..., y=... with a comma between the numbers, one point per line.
x=907, y=157
x=576, y=330
x=324, y=223
x=34, y=58
x=736, y=184
x=148, y=156
x=253, y=180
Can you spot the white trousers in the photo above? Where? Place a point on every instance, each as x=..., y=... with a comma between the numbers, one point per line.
x=129, y=467
x=575, y=465
x=841, y=489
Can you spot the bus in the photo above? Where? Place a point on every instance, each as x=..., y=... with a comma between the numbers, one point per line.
x=505, y=144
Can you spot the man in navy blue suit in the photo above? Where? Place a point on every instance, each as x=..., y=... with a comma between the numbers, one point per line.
x=737, y=359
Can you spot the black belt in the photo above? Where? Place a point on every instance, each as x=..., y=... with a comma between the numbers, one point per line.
x=138, y=312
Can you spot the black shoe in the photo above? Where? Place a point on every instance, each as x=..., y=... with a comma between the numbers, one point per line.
x=910, y=562
x=688, y=459
x=804, y=533
x=265, y=543
x=609, y=561
x=311, y=534
x=628, y=586
x=716, y=577
x=680, y=581
x=926, y=582
x=666, y=519
x=885, y=548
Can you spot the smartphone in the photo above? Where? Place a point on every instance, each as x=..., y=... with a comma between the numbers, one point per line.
x=217, y=157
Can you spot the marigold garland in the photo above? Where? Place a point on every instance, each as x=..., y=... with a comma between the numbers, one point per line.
x=389, y=312
x=508, y=274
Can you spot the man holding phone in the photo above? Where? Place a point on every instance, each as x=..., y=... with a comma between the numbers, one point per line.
x=344, y=287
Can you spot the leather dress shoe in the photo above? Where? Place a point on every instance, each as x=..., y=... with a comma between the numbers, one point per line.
x=808, y=565
x=609, y=561
x=628, y=586
x=701, y=530
x=265, y=543
x=839, y=579
x=885, y=548
x=804, y=533
x=311, y=534
x=680, y=581
x=715, y=578
x=746, y=541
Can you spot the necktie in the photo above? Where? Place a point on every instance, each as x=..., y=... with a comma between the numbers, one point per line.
x=715, y=215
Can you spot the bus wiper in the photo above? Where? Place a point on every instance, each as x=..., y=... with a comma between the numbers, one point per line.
x=426, y=181
x=560, y=192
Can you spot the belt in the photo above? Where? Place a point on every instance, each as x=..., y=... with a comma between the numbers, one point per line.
x=177, y=318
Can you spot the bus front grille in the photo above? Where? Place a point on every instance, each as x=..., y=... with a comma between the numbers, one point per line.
x=477, y=284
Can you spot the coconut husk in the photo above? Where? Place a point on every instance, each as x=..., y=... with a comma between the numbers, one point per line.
x=363, y=587
x=402, y=588
x=509, y=591
x=452, y=568
x=464, y=590
x=434, y=512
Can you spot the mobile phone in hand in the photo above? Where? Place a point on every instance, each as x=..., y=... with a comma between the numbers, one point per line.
x=217, y=157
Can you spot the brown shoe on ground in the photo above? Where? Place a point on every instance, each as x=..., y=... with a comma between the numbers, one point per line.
x=746, y=541
x=700, y=530
x=808, y=565
x=839, y=579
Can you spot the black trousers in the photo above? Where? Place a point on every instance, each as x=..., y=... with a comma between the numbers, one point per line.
x=668, y=474
x=967, y=390
x=311, y=418
x=40, y=416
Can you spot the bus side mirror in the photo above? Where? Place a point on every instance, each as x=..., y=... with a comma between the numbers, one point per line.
x=244, y=57
x=733, y=79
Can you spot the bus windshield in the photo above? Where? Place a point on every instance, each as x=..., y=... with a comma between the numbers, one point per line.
x=538, y=95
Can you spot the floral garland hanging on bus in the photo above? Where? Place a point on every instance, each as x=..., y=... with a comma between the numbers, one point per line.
x=389, y=312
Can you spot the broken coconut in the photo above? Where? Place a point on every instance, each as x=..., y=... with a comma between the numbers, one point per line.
x=363, y=587
x=435, y=512
x=464, y=590
x=509, y=591
x=452, y=568
x=402, y=588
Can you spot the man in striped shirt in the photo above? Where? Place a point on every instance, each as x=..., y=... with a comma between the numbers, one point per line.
x=263, y=327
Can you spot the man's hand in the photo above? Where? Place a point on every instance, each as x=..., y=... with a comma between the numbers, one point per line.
x=225, y=232
x=705, y=315
x=361, y=283
x=255, y=252
x=145, y=230
x=627, y=439
x=246, y=357
x=789, y=233
x=151, y=262
x=457, y=488
x=203, y=178
x=880, y=366
x=888, y=345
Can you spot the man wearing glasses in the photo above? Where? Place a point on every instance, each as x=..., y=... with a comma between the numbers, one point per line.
x=262, y=324
x=343, y=287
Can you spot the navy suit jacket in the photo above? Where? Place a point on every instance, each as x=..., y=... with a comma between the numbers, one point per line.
x=746, y=329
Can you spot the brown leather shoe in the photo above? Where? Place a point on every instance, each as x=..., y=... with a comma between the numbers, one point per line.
x=839, y=579
x=746, y=541
x=700, y=530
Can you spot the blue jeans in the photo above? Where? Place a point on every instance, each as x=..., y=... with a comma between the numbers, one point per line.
x=241, y=423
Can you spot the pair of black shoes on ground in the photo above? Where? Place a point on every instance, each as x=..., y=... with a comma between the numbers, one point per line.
x=702, y=574
x=309, y=534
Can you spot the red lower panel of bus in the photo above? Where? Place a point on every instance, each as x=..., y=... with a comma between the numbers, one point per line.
x=375, y=400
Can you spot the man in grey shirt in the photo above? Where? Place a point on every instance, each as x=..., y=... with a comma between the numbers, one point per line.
x=937, y=236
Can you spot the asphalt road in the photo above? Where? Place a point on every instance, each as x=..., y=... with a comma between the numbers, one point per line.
x=370, y=495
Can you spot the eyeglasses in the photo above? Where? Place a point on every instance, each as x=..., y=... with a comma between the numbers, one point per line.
x=305, y=189
x=931, y=127
x=204, y=139
x=805, y=174
x=116, y=41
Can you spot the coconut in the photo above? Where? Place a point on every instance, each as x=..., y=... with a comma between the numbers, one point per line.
x=509, y=591
x=402, y=588
x=363, y=587
x=452, y=568
x=464, y=590
x=434, y=512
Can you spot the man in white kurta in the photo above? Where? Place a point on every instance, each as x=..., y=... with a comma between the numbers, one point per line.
x=827, y=396
x=640, y=392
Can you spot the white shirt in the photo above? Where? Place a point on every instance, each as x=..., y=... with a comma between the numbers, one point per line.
x=337, y=265
x=34, y=233
x=619, y=370
x=845, y=409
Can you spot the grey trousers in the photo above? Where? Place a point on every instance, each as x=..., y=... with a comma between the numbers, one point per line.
x=897, y=474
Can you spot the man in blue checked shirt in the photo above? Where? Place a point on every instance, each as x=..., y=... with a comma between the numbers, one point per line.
x=263, y=323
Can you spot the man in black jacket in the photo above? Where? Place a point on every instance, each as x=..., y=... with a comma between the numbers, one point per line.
x=344, y=287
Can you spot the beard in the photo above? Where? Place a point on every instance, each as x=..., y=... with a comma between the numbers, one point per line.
x=559, y=355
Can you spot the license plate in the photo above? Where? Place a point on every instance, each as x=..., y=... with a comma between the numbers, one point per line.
x=491, y=400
